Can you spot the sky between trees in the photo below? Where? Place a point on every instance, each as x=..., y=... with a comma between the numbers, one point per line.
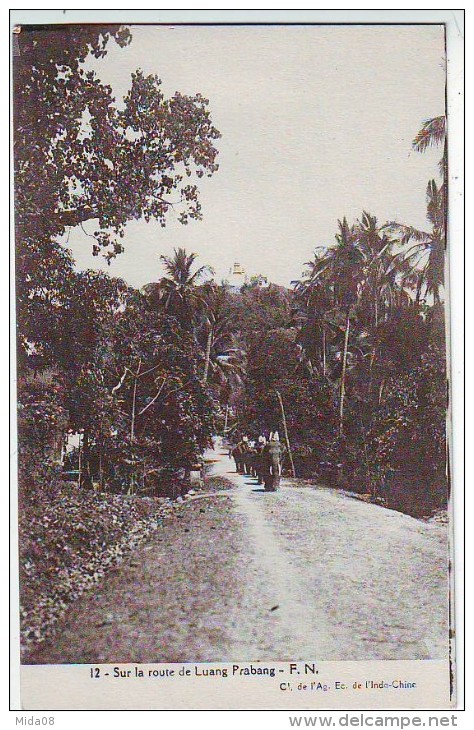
x=316, y=123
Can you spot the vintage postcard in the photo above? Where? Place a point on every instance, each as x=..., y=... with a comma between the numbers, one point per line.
x=232, y=314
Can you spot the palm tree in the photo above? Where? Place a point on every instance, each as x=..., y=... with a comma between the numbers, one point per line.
x=224, y=360
x=384, y=273
x=432, y=134
x=178, y=293
x=348, y=260
x=424, y=259
x=336, y=276
x=348, y=293
x=314, y=299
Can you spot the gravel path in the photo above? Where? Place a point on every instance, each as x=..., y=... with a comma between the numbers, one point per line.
x=243, y=575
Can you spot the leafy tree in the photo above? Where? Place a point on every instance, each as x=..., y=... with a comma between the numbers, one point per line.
x=256, y=310
x=408, y=435
x=41, y=412
x=44, y=289
x=155, y=412
x=79, y=156
x=42, y=421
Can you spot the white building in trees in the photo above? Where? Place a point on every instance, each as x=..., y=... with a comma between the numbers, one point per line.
x=237, y=277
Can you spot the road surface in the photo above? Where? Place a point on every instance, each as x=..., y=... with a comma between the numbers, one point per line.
x=306, y=573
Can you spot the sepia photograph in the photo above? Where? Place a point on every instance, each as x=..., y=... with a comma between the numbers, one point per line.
x=232, y=366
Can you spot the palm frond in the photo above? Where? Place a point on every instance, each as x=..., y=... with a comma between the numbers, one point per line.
x=202, y=271
x=431, y=134
x=407, y=233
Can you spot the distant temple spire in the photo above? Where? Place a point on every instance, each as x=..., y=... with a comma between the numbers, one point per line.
x=237, y=276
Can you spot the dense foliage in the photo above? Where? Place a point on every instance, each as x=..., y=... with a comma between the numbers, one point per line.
x=354, y=355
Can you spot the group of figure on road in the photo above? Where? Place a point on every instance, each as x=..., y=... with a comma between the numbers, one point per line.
x=260, y=458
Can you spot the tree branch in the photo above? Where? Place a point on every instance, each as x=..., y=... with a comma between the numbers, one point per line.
x=154, y=399
x=120, y=383
x=76, y=216
x=145, y=372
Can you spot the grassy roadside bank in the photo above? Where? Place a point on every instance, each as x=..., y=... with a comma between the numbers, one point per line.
x=70, y=539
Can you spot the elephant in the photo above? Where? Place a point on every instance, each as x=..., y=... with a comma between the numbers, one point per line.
x=239, y=453
x=272, y=454
x=259, y=461
x=250, y=461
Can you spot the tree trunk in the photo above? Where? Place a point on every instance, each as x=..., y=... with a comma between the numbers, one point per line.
x=381, y=390
x=324, y=351
x=343, y=374
x=418, y=289
x=101, y=469
x=86, y=480
x=132, y=425
x=79, y=462
x=134, y=399
x=208, y=356
x=285, y=429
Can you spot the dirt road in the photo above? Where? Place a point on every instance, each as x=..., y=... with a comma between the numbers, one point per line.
x=244, y=575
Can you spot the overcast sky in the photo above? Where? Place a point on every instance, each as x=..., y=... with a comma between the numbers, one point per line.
x=316, y=123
